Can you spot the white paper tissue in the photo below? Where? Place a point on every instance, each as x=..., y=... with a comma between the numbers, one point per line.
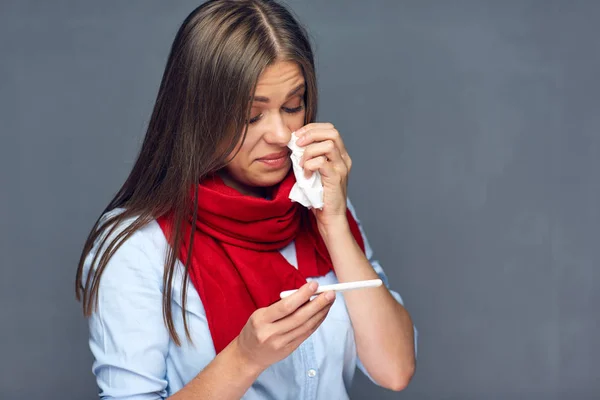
x=306, y=191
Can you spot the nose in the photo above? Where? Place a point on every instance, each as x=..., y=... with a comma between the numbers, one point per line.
x=277, y=132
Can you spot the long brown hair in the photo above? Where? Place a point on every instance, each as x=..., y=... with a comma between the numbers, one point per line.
x=199, y=117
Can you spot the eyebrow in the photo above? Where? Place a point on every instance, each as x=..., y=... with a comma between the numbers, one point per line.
x=292, y=92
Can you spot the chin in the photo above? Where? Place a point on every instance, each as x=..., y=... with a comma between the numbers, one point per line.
x=270, y=178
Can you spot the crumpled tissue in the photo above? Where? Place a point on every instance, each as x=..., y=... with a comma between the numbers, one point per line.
x=306, y=191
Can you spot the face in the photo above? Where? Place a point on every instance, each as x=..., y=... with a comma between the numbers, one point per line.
x=277, y=111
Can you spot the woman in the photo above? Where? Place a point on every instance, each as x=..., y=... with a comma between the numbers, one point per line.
x=181, y=275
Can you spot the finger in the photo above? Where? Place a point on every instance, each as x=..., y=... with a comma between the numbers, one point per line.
x=329, y=166
x=314, y=164
x=291, y=340
x=326, y=168
x=311, y=135
x=314, y=125
x=301, y=333
x=308, y=328
x=304, y=313
x=288, y=305
x=347, y=161
x=326, y=148
x=318, y=133
x=315, y=136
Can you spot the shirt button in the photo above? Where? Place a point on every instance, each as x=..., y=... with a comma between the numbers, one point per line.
x=312, y=373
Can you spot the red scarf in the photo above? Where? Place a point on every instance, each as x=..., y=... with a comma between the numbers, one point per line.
x=236, y=266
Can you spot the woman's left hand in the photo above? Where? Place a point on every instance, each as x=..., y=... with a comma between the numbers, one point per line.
x=324, y=151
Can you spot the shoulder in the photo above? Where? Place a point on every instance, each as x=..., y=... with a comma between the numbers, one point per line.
x=127, y=334
x=139, y=256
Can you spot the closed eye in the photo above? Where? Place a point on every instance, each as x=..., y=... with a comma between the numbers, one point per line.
x=293, y=110
x=288, y=110
x=254, y=119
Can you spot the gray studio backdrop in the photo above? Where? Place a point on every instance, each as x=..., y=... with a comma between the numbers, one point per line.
x=474, y=128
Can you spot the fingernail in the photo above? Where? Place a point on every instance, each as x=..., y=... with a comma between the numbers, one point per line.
x=329, y=296
x=313, y=286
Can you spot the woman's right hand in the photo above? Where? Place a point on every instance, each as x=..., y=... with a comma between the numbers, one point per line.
x=272, y=333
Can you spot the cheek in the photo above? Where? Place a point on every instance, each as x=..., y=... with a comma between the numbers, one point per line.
x=242, y=158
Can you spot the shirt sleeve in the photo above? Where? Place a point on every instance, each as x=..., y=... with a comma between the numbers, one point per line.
x=379, y=270
x=128, y=338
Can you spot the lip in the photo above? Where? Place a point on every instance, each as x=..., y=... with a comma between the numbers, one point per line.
x=275, y=160
x=275, y=156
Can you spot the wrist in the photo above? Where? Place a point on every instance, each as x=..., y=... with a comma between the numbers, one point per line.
x=335, y=228
x=248, y=366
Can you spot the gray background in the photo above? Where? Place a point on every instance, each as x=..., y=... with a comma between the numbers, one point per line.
x=473, y=126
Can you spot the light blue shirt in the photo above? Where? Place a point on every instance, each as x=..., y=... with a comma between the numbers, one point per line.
x=135, y=358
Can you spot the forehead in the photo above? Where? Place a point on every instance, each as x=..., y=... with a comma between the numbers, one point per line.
x=279, y=78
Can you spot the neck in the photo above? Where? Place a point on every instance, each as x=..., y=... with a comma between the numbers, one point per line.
x=253, y=191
